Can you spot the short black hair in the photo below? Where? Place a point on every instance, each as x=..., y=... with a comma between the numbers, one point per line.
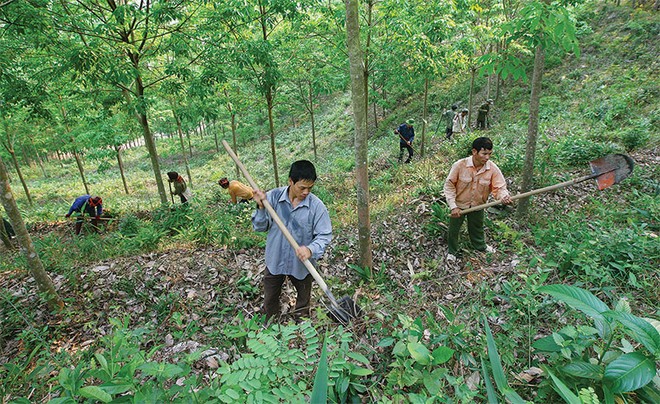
x=172, y=175
x=482, y=143
x=302, y=170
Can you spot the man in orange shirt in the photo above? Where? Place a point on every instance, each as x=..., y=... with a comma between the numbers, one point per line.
x=469, y=183
x=236, y=190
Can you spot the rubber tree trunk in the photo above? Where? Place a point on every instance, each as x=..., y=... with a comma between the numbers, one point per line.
x=311, y=115
x=120, y=162
x=9, y=146
x=183, y=148
x=215, y=136
x=359, y=103
x=424, y=116
x=232, y=116
x=234, y=140
x=39, y=159
x=81, y=169
x=149, y=141
x=271, y=128
x=35, y=265
x=532, y=130
x=473, y=73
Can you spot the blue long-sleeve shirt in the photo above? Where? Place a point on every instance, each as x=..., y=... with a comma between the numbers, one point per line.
x=309, y=224
x=80, y=202
x=406, y=132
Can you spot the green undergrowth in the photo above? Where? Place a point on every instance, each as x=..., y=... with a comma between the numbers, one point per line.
x=424, y=339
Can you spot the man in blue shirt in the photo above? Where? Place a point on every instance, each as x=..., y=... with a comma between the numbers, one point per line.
x=92, y=205
x=308, y=221
x=406, y=134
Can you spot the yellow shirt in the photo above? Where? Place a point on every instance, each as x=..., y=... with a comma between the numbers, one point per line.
x=467, y=187
x=239, y=190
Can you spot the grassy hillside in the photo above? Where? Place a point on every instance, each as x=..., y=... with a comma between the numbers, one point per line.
x=163, y=303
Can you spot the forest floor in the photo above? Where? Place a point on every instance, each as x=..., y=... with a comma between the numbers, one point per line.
x=210, y=286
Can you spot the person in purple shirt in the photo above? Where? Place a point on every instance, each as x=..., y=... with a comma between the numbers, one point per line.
x=308, y=221
x=92, y=205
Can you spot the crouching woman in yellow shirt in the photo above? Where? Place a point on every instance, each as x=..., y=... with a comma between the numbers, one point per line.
x=236, y=190
x=469, y=183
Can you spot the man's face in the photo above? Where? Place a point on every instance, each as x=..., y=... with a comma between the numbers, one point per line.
x=480, y=157
x=300, y=189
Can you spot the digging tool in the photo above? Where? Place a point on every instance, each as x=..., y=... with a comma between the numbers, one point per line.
x=171, y=194
x=607, y=171
x=407, y=142
x=341, y=311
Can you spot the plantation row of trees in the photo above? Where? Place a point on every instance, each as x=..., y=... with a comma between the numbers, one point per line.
x=83, y=78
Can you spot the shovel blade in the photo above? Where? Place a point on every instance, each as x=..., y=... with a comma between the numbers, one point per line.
x=346, y=310
x=611, y=169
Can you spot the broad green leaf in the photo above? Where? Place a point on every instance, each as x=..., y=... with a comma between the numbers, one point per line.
x=102, y=361
x=358, y=357
x=577, y=298
x=584, y=369
x=442, y=354
x=320, y=389
x=433, y=382
x=582, y=300
x=655, y=323
x=546, y=344
x=385, y=342
x=638, y=329
x=563, y=390
x=419, y=352
x=629, y=372
x=165, y=370
x=96, y=393
x=116, y=388
x=623, y=305
x=358, y=371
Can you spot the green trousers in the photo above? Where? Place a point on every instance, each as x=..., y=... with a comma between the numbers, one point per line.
x=475, y=230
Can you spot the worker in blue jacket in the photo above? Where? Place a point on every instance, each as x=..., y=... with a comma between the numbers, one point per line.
x=406, y=134
x=92, y=205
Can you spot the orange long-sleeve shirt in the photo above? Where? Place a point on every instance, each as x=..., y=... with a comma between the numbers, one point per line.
x=239, y=190
x=466, y=186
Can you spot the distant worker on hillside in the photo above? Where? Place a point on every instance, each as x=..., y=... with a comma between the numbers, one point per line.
x=92, y=205
x=180, y=187
x=9, y=230
x=460, y=122
x=406, y=134
x=448, y=119
x=482, y=114
x=469, y=183
x=308, y=221
x=236, y=190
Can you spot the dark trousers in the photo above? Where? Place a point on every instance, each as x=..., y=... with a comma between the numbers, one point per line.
x=475, y=230
x=81, y=217
x=448, y=132
x=273, y=289
x=410, y=152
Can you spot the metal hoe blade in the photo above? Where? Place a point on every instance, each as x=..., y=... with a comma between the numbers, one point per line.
x=345, y=310
x=611, y=169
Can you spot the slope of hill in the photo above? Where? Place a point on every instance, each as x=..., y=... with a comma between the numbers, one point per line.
x=163, y=305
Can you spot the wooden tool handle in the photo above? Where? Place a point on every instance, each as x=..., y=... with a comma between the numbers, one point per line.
x=280, y=224
x=530, y=193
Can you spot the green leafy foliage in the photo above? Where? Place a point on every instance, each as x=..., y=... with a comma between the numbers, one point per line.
x=592, y=357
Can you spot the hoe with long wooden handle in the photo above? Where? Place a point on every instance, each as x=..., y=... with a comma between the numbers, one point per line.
x=607, y=171
x=341, y=311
